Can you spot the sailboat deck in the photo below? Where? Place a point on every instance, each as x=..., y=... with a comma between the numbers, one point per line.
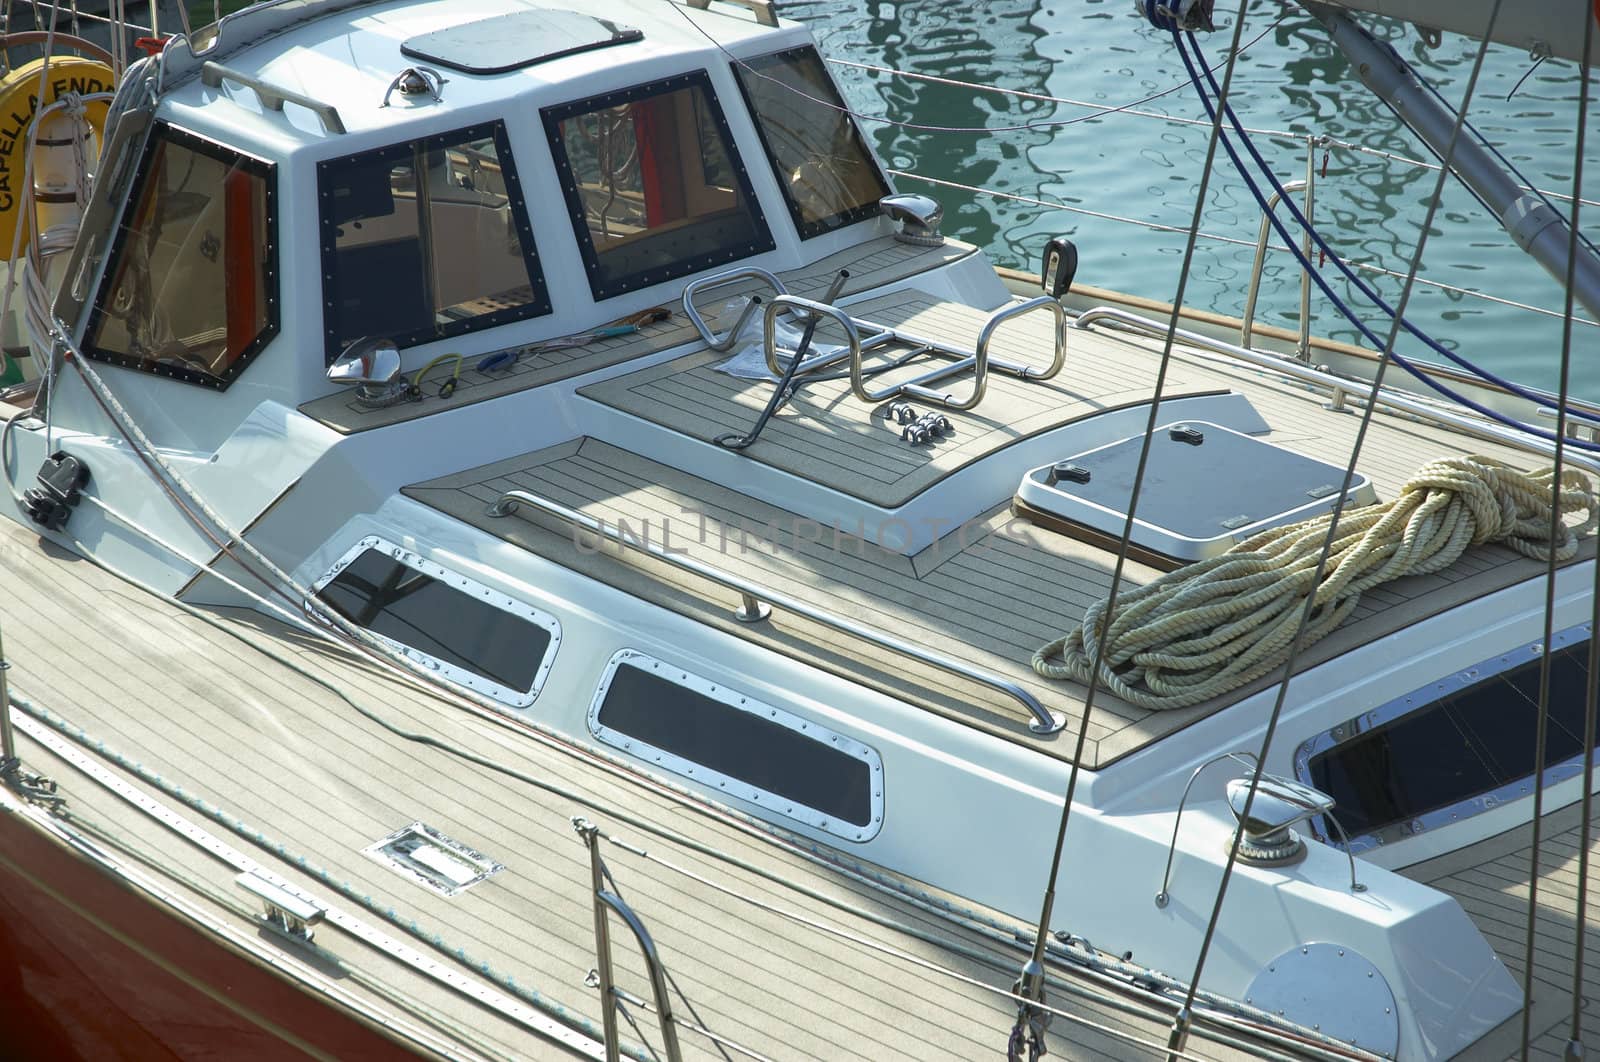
x=244, y=728
x=990, y=593
x=1490, y=881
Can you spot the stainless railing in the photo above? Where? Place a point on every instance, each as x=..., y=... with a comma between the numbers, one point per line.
x=756, y=602
x=721, y=280
x=978, y=360
x=1248, y=318
x=606, y=903
x=877, y=336
x=1340, y=388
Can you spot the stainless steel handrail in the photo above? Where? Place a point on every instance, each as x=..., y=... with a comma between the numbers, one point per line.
x=757, y=598
x=605, y=903
x=1339, y=387
x=878, y=335
x=711, y=283
x=1248, y=319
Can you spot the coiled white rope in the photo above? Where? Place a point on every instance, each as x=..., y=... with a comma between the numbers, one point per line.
x=1215, y=625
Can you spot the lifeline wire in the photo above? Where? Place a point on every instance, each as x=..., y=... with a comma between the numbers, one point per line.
x=1052, y=123
x=1349, y=478
x=1033, y=987
x=1361, y=285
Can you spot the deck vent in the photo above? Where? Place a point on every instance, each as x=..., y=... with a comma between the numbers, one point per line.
x=1206, y=488
x=510, y=42
x=432, y=860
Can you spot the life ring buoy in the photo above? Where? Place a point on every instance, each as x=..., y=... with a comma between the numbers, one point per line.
x=55, y=176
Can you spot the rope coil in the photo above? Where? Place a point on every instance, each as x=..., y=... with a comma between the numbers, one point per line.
x=1218, y=624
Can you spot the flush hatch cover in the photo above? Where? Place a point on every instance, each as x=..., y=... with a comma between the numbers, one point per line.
x=1206, y=488
x=432, y=860
x=510, y=42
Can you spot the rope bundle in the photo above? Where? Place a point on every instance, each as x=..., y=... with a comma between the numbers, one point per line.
x=1215, y=625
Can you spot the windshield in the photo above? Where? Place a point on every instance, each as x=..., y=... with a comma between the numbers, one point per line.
x=654, y=185
x=425, y=240
x=191, y=292
x=827, y=174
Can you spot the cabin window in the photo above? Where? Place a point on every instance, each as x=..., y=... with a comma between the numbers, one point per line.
x=738, y=745
x=654, y=185
x=191, y=292
x=473, y=635
x=828, y=176
x=426, y=240
x=1454, y=748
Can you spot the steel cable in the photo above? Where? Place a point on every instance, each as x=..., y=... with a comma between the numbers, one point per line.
x=1349, y=477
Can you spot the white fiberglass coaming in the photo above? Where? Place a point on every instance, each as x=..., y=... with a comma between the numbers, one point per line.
x=952, y=805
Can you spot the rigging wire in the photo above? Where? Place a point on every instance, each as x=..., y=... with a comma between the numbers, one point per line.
x=1575, y=1036
x=1350, y=469
x=1031, y=982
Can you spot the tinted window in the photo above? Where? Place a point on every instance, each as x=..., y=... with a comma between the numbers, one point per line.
x=426, y=240
x=192, y=288
x=735, y=741
x=1463, y=745
x=822, y=164
x=653, y=183
x=441, y=622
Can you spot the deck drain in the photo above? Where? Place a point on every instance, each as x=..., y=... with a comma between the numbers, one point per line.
x=431, y=859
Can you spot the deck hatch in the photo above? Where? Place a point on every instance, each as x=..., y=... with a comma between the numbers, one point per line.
x=1452, y=749
x=1206, y=488
x=739, y=745
x=467, y=632
x=432, y=860
x=510, y=42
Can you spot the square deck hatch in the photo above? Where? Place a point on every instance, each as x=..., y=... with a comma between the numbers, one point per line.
x=431, y=859
x=1206, y=488
x=510, y=42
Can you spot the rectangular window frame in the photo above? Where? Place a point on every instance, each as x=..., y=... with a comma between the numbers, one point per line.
x=554, y=116
x=472, y=680
x=1422, y=699
x=773, y=802
x=224, y=153
x=538, y=306
x=839, y=219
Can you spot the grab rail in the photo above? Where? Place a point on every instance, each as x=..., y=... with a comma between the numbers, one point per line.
x=757, y=599
x=1340, y=388
x=726, y=340
x=1247, y=324
x=765, y=11
x=979, y=360
x=272, y=97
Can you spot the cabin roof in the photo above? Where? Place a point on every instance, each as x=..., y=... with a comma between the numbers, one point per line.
x=348, y=58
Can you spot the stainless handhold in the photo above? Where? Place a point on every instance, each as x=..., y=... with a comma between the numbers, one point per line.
x=919, y=217
x=372, y=363
x=1279, y=804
